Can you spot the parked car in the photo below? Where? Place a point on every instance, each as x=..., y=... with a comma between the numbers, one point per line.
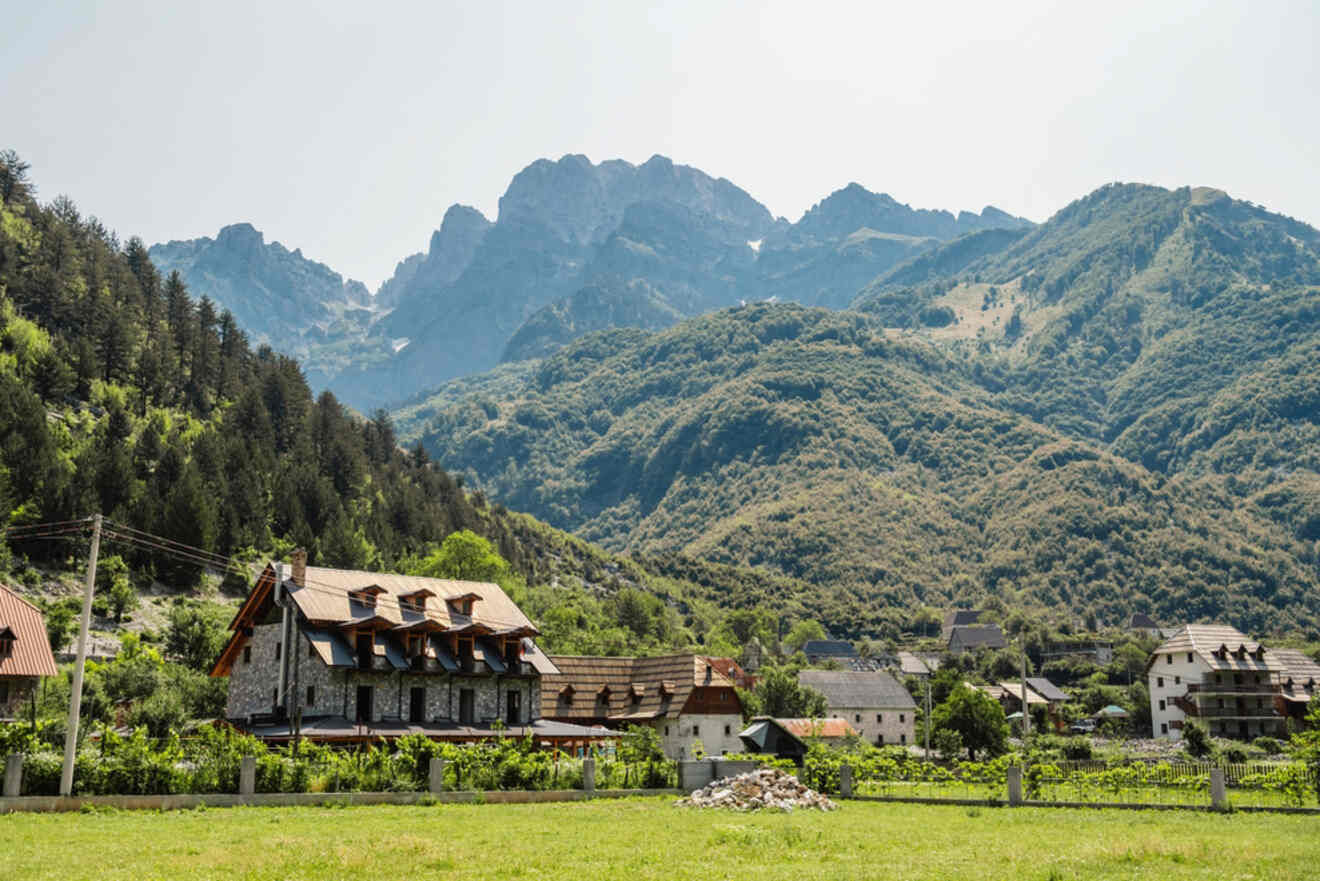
x=1083, y=726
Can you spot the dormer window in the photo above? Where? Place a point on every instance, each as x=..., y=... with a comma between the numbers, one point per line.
x=365, y=597
x=566, y=695
x=7, y=640
x=462, y=605
x=415, y=602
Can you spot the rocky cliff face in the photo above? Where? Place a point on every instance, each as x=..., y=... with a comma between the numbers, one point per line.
x=669, y=230
x=424, y=276
x=276, y=295
x=641, y=245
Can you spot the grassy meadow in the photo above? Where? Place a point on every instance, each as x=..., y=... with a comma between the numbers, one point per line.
x=649, y=838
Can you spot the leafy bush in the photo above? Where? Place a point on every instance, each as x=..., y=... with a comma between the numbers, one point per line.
x=1196, y=739
x=1270, y=746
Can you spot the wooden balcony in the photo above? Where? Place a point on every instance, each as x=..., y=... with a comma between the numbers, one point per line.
x=1262, y=689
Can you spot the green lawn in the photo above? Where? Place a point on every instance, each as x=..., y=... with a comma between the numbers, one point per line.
x=649, y=838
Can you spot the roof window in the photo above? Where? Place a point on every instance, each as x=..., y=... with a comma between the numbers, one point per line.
x=462, y=605
x=365, y=597
x=415, y=601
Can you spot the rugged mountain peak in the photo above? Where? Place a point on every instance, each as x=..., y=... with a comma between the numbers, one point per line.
x=854, y=207
x=583, y=203
x=275, y=293
x=240, y=238
x=461, y=229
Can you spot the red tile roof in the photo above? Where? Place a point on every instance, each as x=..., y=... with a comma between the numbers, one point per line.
x=817, y=727
x=31, y=651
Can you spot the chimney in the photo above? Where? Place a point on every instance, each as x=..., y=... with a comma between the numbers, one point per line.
x=299, y=558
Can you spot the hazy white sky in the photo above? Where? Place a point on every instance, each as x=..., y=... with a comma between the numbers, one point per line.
x=347, y=128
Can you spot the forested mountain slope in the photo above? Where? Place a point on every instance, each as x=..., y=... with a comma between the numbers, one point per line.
x=121, y=394
x=815, y=444
x=1178, y=328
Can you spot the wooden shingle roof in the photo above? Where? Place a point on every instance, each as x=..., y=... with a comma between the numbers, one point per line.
x=30, y=653
x=851, y=689
x=1208, y=642
x=591, y=687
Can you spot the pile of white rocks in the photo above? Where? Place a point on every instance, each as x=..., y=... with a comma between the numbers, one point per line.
x=760, y=789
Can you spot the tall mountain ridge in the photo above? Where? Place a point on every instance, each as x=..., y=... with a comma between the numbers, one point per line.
x=577, y=247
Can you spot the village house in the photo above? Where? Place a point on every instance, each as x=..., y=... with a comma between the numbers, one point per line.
x=873, y=703
x=787, y=738
x=958, y=618
x=1299, y=681
x=1218, y=675
x=335, y=655
x=25, y=654
x=730, y=669
x=974, y=637
x=1054, y=698
x=1096, y=651
x=919, y=665
x=843, y=655
x=1145, y=625
x=820, y=651
x=685, y=698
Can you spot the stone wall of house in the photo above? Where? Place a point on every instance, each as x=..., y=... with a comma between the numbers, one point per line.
x=254, y=678
x=718, y=734
x=15, y=692
x=252, y=687
x=327, y=683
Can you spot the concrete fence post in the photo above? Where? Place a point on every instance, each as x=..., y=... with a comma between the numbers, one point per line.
x=247, y=775
x=1013, y=776
x=845, y=781
x=13, y=775
x=1218, y=793
x=589, y=776
x=437, y=775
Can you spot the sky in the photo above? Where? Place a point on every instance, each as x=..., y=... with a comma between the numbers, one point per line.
x=347, y=129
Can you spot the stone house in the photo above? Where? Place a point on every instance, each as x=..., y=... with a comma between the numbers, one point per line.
x=974, y=637
x=958, y=618
x=339, y=655
x=25, y=654
x=685, y=698
x=873, y=703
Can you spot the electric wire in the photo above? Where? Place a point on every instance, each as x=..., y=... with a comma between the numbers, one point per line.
x=197, y=556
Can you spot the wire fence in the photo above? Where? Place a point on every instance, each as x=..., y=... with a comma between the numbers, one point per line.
x=1257, y=784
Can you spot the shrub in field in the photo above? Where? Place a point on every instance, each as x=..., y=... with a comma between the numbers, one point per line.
x=1196, y=739
x=1270, y=746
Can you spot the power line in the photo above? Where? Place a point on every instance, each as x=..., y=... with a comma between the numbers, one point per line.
x=198, y=556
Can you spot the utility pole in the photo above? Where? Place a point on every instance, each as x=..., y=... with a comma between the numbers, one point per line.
x=929, y=673
x=75, y=699
x=1026, y=710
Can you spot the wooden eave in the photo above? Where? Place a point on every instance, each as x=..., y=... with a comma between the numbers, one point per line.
x=244, y=620
x=372, y=623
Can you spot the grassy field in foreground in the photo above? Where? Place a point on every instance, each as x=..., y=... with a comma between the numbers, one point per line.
x=649, y=838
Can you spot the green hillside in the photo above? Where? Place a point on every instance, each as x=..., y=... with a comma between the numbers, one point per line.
x=1177, y=328
x=881, y=469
